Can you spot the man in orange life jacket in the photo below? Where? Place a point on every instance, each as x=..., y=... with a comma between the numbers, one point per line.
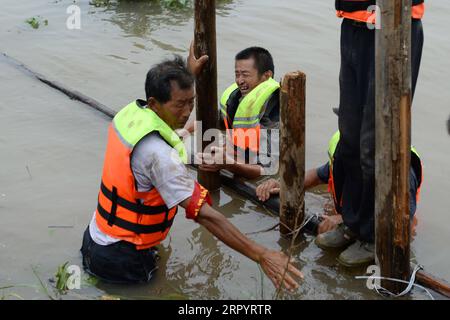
x=250, y=110
x=356, y=150
x=144, y=180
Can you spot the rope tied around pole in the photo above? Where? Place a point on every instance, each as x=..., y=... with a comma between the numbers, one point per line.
x=314, y=215
x=411, y=283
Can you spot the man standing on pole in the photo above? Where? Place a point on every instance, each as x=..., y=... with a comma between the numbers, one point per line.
x=355, y=153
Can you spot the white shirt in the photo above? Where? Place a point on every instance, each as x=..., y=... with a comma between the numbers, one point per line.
x=154, y=164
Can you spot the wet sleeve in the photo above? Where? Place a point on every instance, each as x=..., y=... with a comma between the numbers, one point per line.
x=323, y=172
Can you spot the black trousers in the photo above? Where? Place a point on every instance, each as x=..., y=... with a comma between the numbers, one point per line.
x=120, y=262
x=355, y=153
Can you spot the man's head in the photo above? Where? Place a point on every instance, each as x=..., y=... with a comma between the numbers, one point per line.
x=170, y=91
x=253, y=66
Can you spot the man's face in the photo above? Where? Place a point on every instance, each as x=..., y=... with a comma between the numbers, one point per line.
x=246, y=75
x=176, y=111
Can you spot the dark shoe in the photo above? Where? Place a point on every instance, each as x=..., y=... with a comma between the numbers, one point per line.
x=338, y=238
x=358, y=254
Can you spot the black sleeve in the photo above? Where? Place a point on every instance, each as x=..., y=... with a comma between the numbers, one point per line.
x=323, y=172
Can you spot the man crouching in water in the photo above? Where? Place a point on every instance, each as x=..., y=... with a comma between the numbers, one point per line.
x=145, y=180
x=333, y=232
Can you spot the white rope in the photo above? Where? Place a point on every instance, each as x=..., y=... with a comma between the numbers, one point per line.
x=303, y=224
x=384, y=292
x=290, y=233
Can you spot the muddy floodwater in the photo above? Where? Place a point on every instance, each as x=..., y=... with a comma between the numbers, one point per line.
x=51, y=148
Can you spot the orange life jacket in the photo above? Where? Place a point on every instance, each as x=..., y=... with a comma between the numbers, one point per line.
x=245, y=129
x=359, y=10
x=120, y=214
x=244, y=138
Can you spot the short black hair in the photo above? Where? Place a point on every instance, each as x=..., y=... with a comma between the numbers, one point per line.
x=158, y=83
x=263, y=58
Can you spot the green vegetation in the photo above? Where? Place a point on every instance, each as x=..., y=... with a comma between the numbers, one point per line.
x=175, y=4
x=62, y=275
x=89, y=280
x=35, y=22
x=99, y=3
x=42, y=285
x=13, y=295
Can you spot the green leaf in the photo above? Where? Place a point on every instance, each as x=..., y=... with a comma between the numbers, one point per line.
x=176, y=3
x=33, y=22
x=99, y=3
x=61, y=277
x=36, y=22
x=90, y=280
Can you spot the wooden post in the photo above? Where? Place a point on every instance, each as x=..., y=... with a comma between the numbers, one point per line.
x=292, y=152
x=206, y=82
x=393, y=141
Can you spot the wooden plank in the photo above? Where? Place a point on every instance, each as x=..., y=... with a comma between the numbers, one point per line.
x=436, y=284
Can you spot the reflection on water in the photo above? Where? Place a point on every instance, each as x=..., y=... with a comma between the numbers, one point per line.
x=200, y=276
x=141, y=18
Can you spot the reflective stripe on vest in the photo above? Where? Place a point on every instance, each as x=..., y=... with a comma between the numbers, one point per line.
x=416, y=165
x=245, y=129
x=332, y=145
x=119, y=213
x=359, y=10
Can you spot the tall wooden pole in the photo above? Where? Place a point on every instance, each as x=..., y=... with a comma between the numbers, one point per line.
x=292, y=152
x=393, y=141
x=206, y=82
